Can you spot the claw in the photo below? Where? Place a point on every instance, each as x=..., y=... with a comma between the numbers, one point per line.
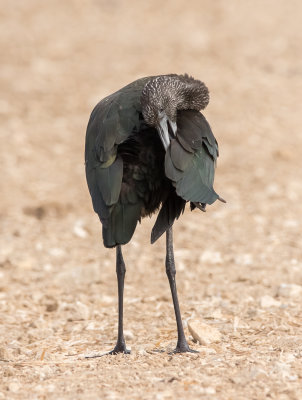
x=183, y=349
x=112, y=352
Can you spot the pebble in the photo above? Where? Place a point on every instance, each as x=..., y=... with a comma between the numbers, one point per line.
x=94, y=326
x=209, y=390
x=244, y=259
x=128, y=335
x=26, y=263
x=52, y=305
x=56, y=252
x=211, y=257
x=273, y=190
x=289, y=290
x=45, y=372
x=203, y=333
x=80, y=311
x=258, y=373
x=268, y=301
x=79, y=230
x=14, y=386
x=47, y=267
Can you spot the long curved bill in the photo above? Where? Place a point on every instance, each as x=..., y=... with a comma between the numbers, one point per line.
x=164, y=132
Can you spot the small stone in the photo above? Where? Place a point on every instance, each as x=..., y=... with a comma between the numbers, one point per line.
x=51, y=388
x=14, y=386
x=45, y=372
x=258, y=373
x=26, y=263
x=211, y=257
x=56, y=252
x=81, y=311
x=203, y=333
x=93, y=326
x=244, y=259
x=207, y=350
x=128, y=335
x=210, y=390
x=52, y=306
x=217, y=314
x=268, y=301
x=79, y=230
x=273, y=190
x=47, y=267
x=289, y=290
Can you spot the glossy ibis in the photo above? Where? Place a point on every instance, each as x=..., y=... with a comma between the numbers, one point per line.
x=149, y=148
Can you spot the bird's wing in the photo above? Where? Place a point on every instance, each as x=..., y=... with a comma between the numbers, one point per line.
x=111, y=122
x=121, y=224
x=191, y=159
x=170, y=210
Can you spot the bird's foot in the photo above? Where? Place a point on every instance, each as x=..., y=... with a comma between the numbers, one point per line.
x=183, y=348
x=119, y=348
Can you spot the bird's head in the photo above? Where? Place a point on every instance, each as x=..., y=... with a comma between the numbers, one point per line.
x=164, y=95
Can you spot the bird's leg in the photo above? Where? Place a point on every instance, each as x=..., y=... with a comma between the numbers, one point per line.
x=120, y=346
x=182, y=345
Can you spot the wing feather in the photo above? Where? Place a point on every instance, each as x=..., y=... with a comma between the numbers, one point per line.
x=170, y=210
x=111, y=123
x=191, y=161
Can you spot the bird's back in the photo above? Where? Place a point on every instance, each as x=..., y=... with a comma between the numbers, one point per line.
x=129, y=175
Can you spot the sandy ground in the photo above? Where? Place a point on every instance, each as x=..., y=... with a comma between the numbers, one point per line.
x=239, y=265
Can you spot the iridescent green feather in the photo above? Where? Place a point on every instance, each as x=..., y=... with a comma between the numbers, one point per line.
x=190, y=163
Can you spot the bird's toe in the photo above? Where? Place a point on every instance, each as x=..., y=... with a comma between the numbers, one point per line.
x=184, y=348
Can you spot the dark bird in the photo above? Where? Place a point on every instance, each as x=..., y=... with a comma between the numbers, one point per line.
x=149, y=148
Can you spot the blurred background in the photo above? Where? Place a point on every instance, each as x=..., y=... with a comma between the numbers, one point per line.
x=58, y=59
